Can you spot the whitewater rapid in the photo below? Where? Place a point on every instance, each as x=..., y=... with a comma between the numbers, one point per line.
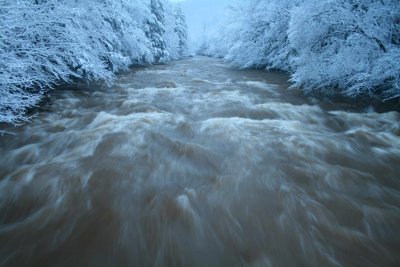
x=198, y=164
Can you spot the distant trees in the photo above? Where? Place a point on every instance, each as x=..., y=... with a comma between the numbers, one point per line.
x=181, y=31
x=176, y=32
x=255, y=35
x=45, y=42
x=346, y=46
x=155, y=31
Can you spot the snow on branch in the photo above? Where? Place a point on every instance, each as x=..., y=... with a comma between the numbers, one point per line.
x=346, y=46
x=47, y=42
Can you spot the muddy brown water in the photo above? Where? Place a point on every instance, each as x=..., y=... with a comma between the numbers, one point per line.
x=197, y=164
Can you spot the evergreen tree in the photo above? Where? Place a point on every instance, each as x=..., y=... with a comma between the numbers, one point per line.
x=156, y=32
x=181, y=31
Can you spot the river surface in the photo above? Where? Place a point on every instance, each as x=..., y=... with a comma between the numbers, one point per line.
x=198, y=164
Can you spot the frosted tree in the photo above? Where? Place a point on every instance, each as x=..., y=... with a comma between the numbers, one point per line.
x=346, y=46
x=181, y=31
x=254, y=35
x=263, y=32
x=218, y=40
x=170, y=37
x=351, y=45
x=47, y=42
x=31, y=47
x=156, y=31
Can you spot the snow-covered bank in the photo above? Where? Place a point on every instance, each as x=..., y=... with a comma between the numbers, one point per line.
x=44, y=42
x=346, y=46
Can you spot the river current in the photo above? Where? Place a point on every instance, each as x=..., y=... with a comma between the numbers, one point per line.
x=198, y=164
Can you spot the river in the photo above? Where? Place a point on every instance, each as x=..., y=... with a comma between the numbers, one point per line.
x=198, y=164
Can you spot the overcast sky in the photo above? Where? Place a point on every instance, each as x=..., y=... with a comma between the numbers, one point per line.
x=202, y=15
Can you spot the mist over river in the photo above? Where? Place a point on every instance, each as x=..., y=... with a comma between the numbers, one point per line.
x=198, y=164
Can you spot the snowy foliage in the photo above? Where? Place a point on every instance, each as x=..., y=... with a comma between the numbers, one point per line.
x=181, y=31
x=346, y=46
x=46, y=42
x=155, y=31
x=353, y=46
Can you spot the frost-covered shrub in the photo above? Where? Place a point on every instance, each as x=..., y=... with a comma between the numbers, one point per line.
x=346, y=46
x=254, y=35
x=33, y=52
x=175, y=35
x=45, y=42
x=263, y=33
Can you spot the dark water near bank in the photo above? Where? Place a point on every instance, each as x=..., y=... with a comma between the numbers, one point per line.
x=197, y=164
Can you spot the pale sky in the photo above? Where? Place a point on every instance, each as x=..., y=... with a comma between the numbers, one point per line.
x=202, y=15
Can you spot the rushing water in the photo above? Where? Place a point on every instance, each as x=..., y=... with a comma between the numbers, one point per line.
x=198, y=164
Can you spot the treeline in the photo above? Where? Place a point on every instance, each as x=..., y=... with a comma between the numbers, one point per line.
x=46, y=42
x=350, y=47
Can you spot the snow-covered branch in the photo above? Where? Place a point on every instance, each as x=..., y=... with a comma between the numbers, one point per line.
x=46, y=42
x=346, y=46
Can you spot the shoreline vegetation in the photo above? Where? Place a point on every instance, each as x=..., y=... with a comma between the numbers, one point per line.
x=328, y=47
x=49, y=42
